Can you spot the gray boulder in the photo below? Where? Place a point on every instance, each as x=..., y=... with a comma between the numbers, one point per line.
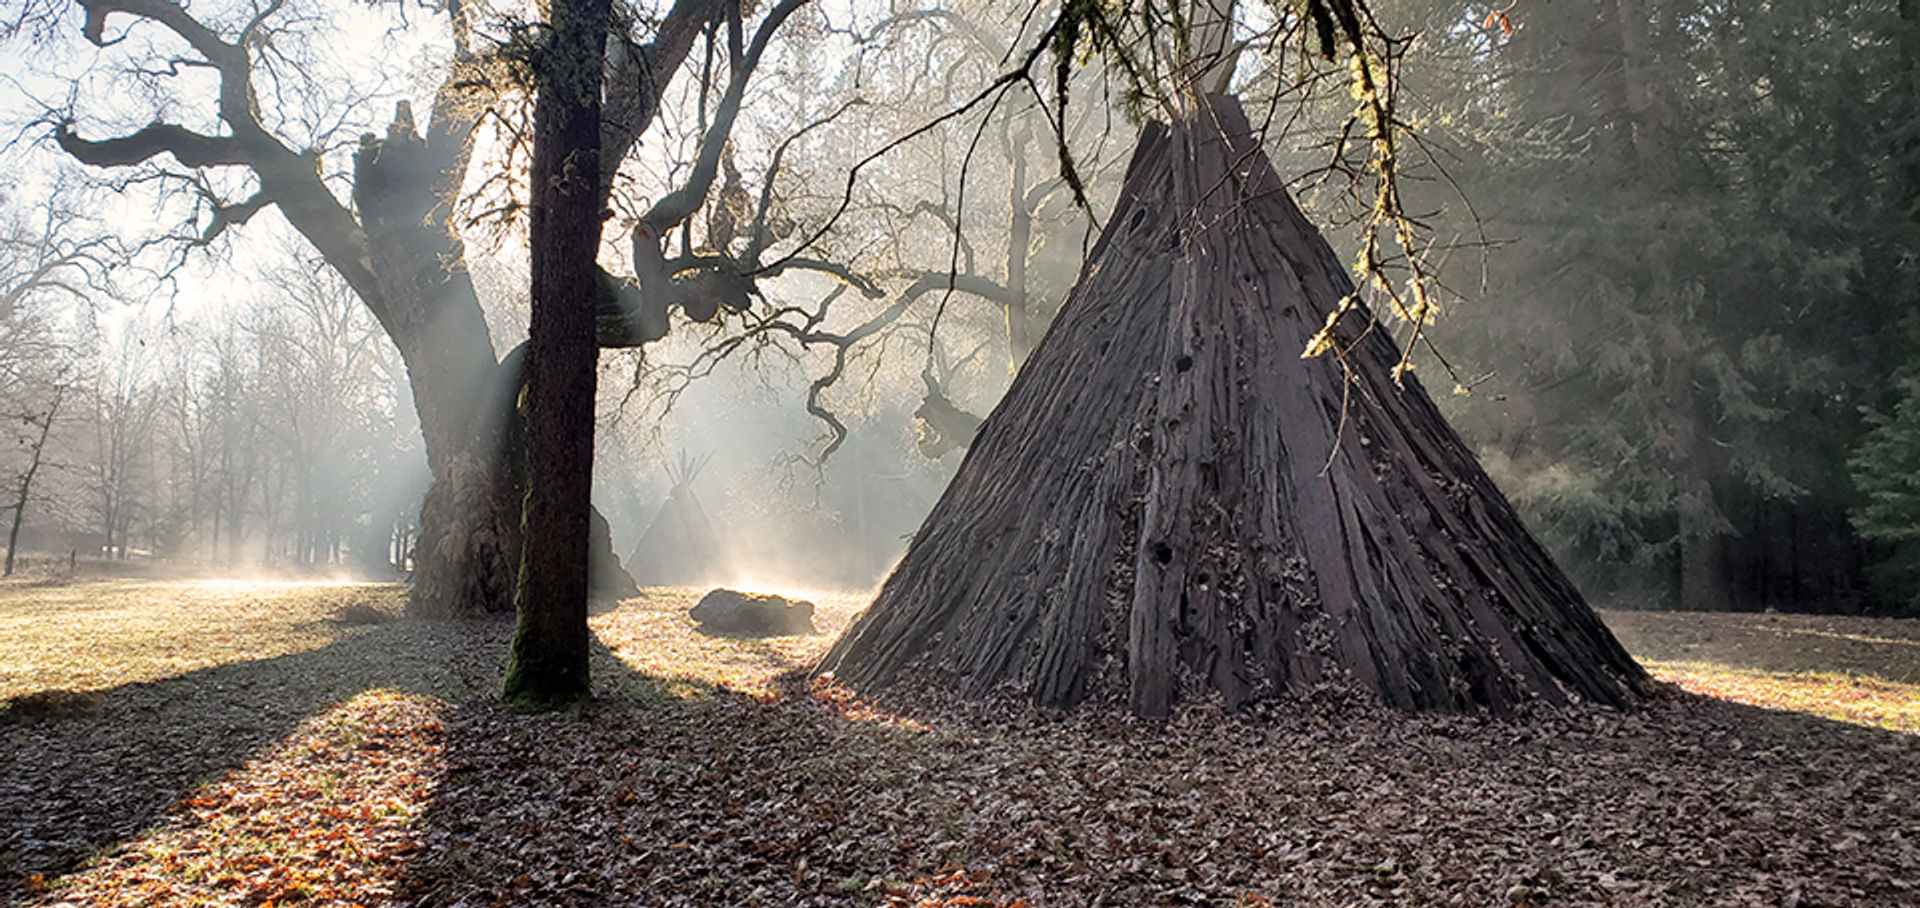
x=726, y=611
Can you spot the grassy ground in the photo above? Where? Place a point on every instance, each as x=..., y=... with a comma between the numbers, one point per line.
x=269, y=744
x=1860, y=670
x=90, y=636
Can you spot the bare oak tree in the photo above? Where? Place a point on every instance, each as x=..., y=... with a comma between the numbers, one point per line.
x=398, y=245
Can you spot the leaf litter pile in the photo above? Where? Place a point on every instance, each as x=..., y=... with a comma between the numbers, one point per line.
x=275, y=745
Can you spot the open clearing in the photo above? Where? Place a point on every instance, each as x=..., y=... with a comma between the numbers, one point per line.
x=226, y=743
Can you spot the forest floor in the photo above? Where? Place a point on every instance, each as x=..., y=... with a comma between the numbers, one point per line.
x=167, y=743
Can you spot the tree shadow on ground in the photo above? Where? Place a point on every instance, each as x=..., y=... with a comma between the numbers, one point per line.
x=666, y=792
x=658, y=791
x=83, y=772
x=669, y=791
x=73, y=786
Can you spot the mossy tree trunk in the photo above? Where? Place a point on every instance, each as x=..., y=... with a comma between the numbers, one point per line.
x=548, y=662
x=469, y=533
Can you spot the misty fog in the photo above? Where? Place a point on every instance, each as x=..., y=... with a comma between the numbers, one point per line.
x=1681, y=359
x=939, y=452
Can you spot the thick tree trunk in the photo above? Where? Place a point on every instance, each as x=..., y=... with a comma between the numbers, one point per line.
x=1171, y=503
x=466, y=557
x=549, y=653
x=403, y=258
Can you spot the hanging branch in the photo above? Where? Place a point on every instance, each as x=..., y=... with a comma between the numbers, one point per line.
x=1373, y=60
x=676, y=206
x=1132, y=39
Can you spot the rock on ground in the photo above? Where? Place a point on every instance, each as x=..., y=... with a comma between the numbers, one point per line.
x=724, y=611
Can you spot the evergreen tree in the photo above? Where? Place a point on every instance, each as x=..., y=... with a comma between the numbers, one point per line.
x=1703, y=216
x=1886, y=469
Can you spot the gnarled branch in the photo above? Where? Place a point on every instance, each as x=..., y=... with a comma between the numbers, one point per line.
x=680, y=204
x=230, y=58
x=637, y=75
x=225, y=216
x=190, y=148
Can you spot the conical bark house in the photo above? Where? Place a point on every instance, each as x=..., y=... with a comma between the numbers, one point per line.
x=680, y=547
x=1172, y=503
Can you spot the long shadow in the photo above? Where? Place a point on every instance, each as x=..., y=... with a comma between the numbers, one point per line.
x=663, y=793
x=72, y=787
x=651, y=793
x=76, y=785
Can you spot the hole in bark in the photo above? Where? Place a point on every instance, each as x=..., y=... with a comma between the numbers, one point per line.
x=1138, y=216
x=1145, y=445
x=1162, y=553
x=1202, y=581
x=1183, y=363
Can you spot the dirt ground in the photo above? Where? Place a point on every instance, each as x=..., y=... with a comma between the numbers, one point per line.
x=1860, y=670
x=1884, y=648
x=236, y=744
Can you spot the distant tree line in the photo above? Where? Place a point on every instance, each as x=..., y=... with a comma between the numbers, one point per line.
x=229, y=434
x=1692, y=266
